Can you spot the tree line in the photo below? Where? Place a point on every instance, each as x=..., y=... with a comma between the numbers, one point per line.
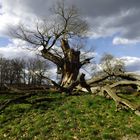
x=22, y=72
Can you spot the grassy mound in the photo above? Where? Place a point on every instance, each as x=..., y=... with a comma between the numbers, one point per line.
x=60, y=117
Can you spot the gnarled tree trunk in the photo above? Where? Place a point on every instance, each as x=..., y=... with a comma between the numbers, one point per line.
x=68, y=65
x=71, y=67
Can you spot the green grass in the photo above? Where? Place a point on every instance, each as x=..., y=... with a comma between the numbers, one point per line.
x=61, y=117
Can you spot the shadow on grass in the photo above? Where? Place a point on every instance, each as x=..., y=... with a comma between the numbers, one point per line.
x=34, y=104
x=39, y=101
x=46, y=103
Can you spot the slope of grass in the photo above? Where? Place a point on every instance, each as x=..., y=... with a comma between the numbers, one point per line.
x=61, y=117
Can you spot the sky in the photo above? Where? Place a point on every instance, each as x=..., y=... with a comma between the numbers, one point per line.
x=114, y=26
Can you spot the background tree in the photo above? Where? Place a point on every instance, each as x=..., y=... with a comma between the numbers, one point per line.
x=20, y=72
x=35, y=69
x=111, y=65
x=1, y=71
x=16, y=71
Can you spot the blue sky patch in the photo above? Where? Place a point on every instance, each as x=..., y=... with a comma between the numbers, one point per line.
x=4, y=41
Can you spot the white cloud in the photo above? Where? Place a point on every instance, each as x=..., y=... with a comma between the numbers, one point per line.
x=13, y=14
x=125, y=33
x=13, y=50
x=7, y=20
x=130, y=60
x=132, y=63
x=123, y=41
x=106, y=18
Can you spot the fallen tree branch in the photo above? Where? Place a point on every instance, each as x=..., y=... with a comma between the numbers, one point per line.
x=119, y=100
x=121, y=83
x=129, y=76
x=12, y=88
x=125, y=75
x=59, y=88
x=97, y=79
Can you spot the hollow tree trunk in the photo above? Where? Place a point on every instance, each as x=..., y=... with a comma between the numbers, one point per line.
x=68, y=64
x=71, y=67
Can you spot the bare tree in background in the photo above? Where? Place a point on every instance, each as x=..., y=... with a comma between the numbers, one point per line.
x=35, y=69
x=111, y=65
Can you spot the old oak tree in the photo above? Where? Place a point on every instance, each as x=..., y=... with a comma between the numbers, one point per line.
x=55, y=37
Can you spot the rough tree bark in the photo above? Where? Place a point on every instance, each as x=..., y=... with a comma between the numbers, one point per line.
x=71, y=64
x=68, y=65
x=67, y=24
